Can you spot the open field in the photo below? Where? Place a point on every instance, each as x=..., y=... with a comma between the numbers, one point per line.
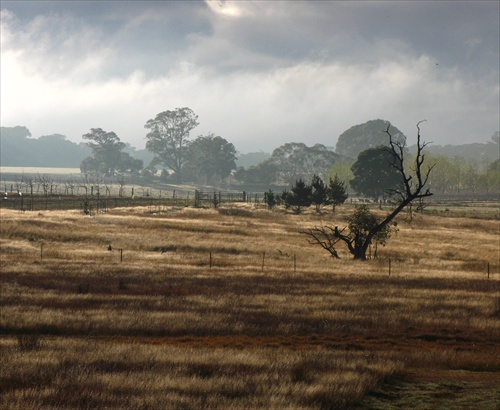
x=233, y=309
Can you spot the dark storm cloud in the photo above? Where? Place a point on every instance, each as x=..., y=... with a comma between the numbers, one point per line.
x=145, y=35
x=151, y=36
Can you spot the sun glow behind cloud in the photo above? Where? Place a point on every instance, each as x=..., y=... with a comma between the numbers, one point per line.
x=225, y=7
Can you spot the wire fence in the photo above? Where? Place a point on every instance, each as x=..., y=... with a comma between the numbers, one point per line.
x=96, y=203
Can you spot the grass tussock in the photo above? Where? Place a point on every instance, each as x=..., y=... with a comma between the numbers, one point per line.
x=231, y=308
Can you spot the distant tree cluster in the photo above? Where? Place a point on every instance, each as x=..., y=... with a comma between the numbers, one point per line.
x=108, y=157
x=206, y=160
x=461, y=177
x=290, y=162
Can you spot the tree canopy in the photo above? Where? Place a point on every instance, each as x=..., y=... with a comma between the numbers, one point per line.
x=107, y=156
x=367, y=135
x=209, y=160
x=376, y=173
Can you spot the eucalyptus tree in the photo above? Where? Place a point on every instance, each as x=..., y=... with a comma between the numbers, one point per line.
x=364, y=136
x=210, y=159
x=106, y=152
x=168, y=138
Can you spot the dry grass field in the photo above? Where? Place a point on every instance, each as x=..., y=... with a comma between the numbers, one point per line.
x=233, y=309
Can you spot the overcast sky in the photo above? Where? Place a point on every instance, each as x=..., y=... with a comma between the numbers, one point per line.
x=257, y=73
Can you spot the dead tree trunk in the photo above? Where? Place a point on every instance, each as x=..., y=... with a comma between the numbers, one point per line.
x=364, y=228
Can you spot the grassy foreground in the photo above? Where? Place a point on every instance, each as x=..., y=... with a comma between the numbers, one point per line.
x=233, y=309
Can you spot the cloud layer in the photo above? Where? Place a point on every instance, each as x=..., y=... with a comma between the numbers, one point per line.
x=257, y=73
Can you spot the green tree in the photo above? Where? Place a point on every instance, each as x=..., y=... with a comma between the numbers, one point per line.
x=376, y=173
x=493, y=178
x=106, y=151
x=128, y=164
x=361, y=224
x=300, y=196
x=342, y=169
x=271, y=199
x=336, y=192
x=210, y=159
x=168, y=138
x=456, y=174
x=471, y=177
x=441, y=178
x=319, y=195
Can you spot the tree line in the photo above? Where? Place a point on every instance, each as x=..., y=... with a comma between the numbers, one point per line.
x=358, y=159
x=303, y=195
x=361, y=162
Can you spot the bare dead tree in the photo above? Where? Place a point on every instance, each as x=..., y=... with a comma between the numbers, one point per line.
x=86, y=181
x=70, y=186
x=364, y=228
x=44, y=181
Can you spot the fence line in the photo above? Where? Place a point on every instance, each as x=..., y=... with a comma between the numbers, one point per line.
x=96, y=203
x=214, y=260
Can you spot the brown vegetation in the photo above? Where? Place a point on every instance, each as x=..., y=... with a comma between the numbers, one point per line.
x=231, y=308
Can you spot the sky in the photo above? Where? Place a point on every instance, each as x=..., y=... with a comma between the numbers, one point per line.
x=257, y=73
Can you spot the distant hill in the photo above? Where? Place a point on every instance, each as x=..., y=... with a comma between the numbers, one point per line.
x=251, y=159
x=19, y=149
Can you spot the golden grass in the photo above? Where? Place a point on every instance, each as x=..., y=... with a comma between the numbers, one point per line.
x=92, y=373
x=272, y=323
